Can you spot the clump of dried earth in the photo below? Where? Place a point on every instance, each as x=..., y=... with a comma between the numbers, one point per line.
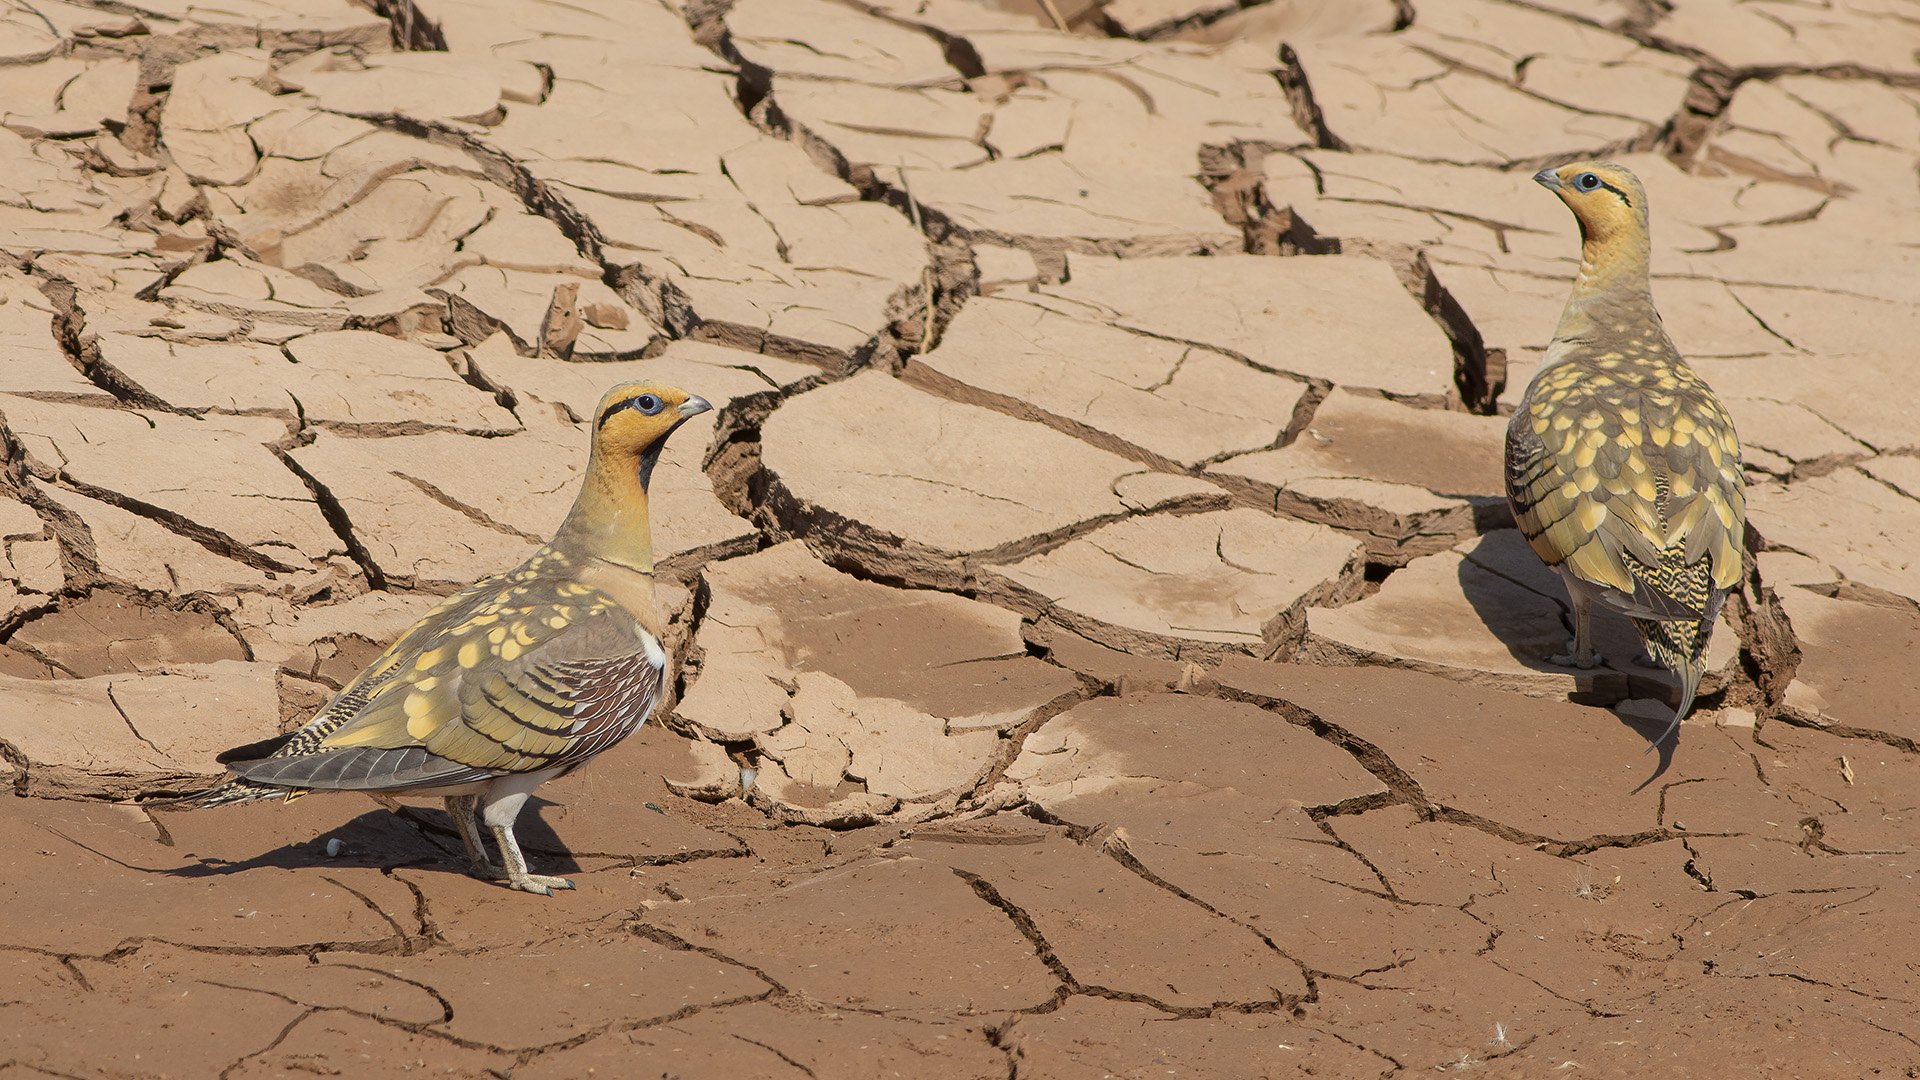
x=1104, y=649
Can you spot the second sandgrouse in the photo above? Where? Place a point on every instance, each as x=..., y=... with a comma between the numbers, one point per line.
x=516, y=679
x=1622, y=466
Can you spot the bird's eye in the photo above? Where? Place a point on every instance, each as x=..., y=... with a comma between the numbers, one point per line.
x=648, y=403
x=1586, y=181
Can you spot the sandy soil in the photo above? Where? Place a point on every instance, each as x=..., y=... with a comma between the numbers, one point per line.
x=1104, y=649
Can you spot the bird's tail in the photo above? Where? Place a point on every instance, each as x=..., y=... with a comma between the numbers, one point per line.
x=1680, y=645
x=231, y=792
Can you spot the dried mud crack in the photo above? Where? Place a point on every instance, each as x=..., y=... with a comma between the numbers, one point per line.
x=1101, y=643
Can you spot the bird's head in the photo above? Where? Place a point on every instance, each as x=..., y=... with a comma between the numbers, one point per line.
x=1607, y=199
x=634, y=419
x=609, y=520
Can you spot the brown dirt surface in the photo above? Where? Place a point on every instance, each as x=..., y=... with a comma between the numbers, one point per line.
x=1104, y=647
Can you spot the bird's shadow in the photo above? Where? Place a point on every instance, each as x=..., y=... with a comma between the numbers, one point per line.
x=1524, y=605
x=382, y=839
x=1666, y=748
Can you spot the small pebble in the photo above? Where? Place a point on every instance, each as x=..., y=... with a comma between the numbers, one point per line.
x=333, y=848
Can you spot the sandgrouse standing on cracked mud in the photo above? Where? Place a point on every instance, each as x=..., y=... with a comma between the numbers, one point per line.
x=1622, y=465
x=513, y=681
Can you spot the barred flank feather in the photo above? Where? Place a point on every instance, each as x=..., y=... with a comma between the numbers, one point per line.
x=1690, y=586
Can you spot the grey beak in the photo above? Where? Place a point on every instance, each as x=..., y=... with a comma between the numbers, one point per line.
x=1548, y=179
x=694, y=405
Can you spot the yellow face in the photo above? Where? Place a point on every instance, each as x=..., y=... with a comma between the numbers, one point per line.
x=1605, y=197
x=634, y=417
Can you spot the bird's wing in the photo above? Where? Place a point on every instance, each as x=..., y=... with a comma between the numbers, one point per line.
x=1618, y=483
x=375, y=678
x=542, y=676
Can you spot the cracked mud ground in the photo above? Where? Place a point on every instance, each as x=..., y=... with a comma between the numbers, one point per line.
x=1096, y=551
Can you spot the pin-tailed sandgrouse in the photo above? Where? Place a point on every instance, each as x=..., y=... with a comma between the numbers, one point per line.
x=1622, y=465
x=513, y=681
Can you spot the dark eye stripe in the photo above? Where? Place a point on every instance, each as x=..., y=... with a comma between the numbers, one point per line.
x=1590, y=182
x=1624, y=197
x=650, y=404
x=608, y=415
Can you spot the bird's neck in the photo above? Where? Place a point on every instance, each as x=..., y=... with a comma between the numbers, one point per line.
x=1611, y=288
x=609, y=519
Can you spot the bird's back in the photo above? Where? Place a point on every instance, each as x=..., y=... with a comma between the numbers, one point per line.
x=1624, y=471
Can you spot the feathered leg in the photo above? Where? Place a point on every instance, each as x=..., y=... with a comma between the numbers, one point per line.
x=460, y=808
x=1580, y=654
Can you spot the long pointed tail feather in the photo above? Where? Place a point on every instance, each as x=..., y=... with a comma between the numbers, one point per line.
x=231, y=792
x=1681, y=646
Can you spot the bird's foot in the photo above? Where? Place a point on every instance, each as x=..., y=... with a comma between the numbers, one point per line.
x=541, y=884
x=1645, y=659
x=1572, y=658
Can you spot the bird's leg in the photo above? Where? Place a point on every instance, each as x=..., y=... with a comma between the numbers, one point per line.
x=500, y=805
x=517, y=875
x=460, y=808
x=1581, y=655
